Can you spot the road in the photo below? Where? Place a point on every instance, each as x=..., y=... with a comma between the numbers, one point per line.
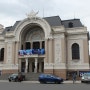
x=38, y=86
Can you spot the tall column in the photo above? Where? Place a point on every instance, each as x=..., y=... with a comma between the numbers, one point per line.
x=24, y=45
x=35, y=70
x=16, y=52
x=26, y=66
x=40, y=67
x=5, y=53
x=19, y=65
x=46, y=51
x=40, y=44
x=31, y=45
x=30, y=66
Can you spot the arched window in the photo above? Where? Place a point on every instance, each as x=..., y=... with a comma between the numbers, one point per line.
x=43, y=44
x=75, y=51
x=70, y=25
x=28, y=45
x=2, y=54
x=36, y=45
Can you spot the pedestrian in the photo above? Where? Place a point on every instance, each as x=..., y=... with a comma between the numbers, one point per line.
x=74, y=77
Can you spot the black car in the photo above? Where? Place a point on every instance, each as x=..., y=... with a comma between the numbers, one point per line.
x=16, y=77
x=49, y=78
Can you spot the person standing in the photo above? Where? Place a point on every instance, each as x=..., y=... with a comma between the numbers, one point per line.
x=74, y=77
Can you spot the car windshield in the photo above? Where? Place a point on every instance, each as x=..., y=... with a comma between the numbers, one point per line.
x=14, y=74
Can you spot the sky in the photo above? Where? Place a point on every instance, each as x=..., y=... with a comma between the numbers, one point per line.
x=14, y=10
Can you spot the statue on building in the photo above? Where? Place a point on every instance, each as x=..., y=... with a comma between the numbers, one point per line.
x=32, y=14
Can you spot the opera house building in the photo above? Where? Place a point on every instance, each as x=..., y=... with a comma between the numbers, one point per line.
x=44, y=45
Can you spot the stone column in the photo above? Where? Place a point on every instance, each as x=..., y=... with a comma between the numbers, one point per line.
x=35, y=70
x=24, y=45
x=30, y=66
x=31, y=45
x=26, y=65
x=16, y=52
x=40, y=67
x=46, y=51
x=40, y=44
x=5, y=53
x=19, y=65
x=50, y=51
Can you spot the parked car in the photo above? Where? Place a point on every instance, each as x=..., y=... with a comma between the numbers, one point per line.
x=49, y=78
x=85, y=78
x=16, y=77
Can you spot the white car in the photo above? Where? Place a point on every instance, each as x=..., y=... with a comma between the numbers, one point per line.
x=85, y=78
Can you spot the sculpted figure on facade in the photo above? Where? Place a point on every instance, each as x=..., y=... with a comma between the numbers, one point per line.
x=32, y=14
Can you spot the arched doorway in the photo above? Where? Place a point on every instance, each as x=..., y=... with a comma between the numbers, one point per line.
x=33, y=38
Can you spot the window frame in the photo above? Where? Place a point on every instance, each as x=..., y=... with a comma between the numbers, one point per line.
x=75, y=51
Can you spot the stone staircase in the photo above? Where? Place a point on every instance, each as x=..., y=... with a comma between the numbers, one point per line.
x=29, y=76
x=4, y=77
x=32, y=76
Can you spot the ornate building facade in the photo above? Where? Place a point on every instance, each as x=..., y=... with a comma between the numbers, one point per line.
x=45, y=45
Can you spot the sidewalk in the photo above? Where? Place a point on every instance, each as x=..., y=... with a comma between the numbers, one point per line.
x=65, y=82
x=71, y=81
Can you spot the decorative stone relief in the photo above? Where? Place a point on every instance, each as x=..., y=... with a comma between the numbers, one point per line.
x=35, y=34
x=9, y=53
x=57, y=51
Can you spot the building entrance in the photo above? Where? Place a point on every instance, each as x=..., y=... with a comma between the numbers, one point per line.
x=22, y=66
x=32, y=65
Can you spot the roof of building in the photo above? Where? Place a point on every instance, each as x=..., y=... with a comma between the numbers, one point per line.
x=10, y=28
x=53, y=21
x=7, y=29
x=75, y=22
x=14, y=26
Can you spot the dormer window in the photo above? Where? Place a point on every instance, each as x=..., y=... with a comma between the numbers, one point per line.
x=8, y=30
x=70, y=25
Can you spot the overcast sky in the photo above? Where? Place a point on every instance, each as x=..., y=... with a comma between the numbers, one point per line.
x=13, y=10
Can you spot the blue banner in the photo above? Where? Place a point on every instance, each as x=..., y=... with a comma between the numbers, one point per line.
x=32, y=51
x=81, y=73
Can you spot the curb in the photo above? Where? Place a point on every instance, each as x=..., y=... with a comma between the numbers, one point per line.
x=30, y=82
x=4, y=81
x=65, y=82
x=71, y=82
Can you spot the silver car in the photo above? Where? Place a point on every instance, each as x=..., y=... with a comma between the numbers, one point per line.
x=85, y=78
x=16, y=77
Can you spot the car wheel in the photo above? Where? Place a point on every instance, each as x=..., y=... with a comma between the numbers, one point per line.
x=9, y=80
x=82, y=81
x=57, y=82
x=41, y=82
x=19, y=80
x=16, y=80
x=23, y=79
